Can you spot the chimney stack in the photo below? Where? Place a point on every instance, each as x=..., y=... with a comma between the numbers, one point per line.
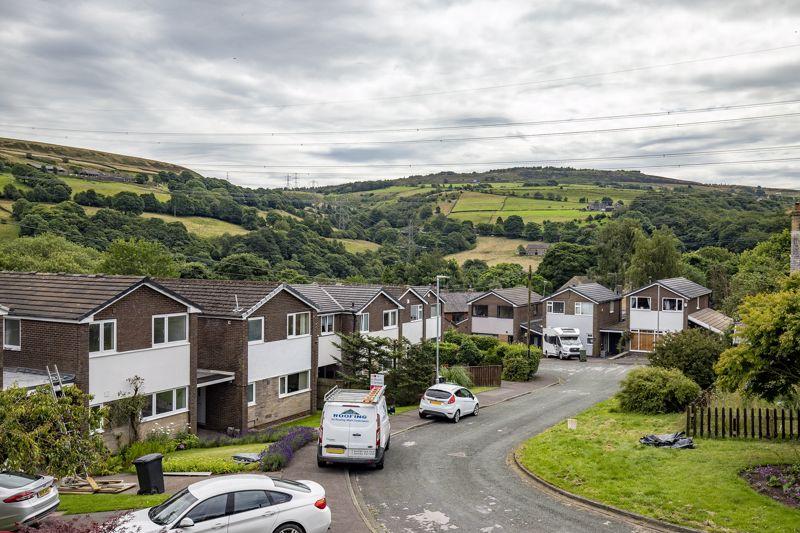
x=794, y=262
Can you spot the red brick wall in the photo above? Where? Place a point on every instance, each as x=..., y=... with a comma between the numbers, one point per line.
x=134, y=314
x=274, y=313
x=376, y=309
x=222, y=345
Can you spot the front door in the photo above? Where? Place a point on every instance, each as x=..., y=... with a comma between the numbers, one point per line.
x=201, y=406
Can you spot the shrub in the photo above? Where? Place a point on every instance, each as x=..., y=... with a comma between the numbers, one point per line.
x=195, y=463
x=279, y=453
x=458, y=375
x=484, y=342
x=516, y=368
x=692, y=351
x=155, y=442
x=448, y=353
x=653, y=390
x=185, y=440
x=453, y=336
x=468, y=353
x=512, y=351
x=492, y=357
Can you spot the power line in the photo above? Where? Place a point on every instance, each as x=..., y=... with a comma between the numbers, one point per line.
x=449, y=91
x=443, y=140
x=647, y=114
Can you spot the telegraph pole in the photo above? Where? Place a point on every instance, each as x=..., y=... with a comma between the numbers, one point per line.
x=438, y=323
x=528, y=328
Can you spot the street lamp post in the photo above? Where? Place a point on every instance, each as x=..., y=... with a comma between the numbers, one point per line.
x=438, y=322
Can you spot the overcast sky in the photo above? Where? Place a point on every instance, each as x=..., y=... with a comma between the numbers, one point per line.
x=127, y=73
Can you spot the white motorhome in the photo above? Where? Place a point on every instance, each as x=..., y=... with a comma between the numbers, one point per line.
x=354, y=427
x=563, y=343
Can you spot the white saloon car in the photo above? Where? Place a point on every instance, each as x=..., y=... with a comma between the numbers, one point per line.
x=448, y=400
x=239, y=504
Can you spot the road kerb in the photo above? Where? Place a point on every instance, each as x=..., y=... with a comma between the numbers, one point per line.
x=357, y=503
x=640, y=520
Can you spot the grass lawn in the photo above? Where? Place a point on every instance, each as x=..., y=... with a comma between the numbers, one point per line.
x=495, y=250
x=700, y=488
x=356, y=245
x=216, y=460
x=96, y=503
x=110, y=188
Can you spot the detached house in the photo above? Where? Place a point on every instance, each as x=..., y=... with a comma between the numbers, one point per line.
x=669, y=305
x=257, y=352
x=100, y=331
x=591, y=308
x=503, y=312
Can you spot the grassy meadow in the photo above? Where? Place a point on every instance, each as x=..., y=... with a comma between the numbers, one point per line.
x=495, y=250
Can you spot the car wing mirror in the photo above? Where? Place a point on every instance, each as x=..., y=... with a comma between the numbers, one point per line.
x=391, y=410
x=186, y=522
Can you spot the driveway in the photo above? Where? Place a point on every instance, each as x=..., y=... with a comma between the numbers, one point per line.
x=455, y=477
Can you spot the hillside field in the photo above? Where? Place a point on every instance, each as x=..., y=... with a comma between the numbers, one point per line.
x=8, y=229
x=495, y=250
x=355, y=246
x=108, y=188
x=200, y=226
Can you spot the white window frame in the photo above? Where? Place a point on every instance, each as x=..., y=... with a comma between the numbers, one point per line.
x=251, y=386
x=101, y=324
x=581, y=305
x=360, y=317
x=390, y=313
x=420, y=312
x=590, y=338
x=550, y=307
x=13, y=347
x=678, y=303
x=255, y=319
x=637, y=298
x=611, y=307
x=291, y=318
x=174, y=411
x=283, y=380
x=326, y=318
x=167, y=342
x=434, y=310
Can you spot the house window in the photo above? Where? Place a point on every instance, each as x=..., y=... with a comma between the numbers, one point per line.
x=555, y=307
x=480, y=310
x=671, y=304
x=165, y=403
x=390, y=319
x=416, y=312
x=589, y=338
x=255, y=329
x=251, y=394
x=169, y=329
x=505, y=311
x=326, y=324
x=294, y=384
x=298, y=324
x=611, y=307
x=584, y=308
x=103, y=336
x=12, y=334
x=363, y=322
x=434, y=310
x=640, y=302
x=697, y=304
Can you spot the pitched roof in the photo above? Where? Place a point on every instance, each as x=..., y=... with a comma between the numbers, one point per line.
x=575, y=280
x=354, y=298
x=621, y=326
x=319, y=296
x=596, y=292
x=398, y=291
x=219, y=297
x=516, y=296
x=711, y=320
x=457, y=302
x=684, y=287
x=69, y=296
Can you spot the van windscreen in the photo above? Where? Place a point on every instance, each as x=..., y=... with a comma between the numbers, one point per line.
x=437, y=393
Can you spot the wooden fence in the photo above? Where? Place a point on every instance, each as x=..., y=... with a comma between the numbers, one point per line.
x=714, y=421
x=486, y=376
x=323, y=386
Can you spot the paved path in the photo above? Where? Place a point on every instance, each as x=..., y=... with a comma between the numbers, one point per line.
x=445, y=477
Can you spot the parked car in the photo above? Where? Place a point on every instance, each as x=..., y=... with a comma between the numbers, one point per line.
x=448, y=400
x=25, y=499
x=354, y=427
x=239, y=504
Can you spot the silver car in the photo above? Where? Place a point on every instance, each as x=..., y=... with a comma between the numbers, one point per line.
x=25, y=499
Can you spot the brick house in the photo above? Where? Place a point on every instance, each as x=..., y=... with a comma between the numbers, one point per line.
x=432, y=309
x=503, y=312
x=412, y=315
x=589, y=307
x=257, y=352
x=456, y=310
x=100, y=331
x=537, y=249
x=330, y=321
x=669, y=305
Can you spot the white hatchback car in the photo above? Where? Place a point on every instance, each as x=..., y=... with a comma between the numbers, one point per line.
x=448, y=400
x=239, y=504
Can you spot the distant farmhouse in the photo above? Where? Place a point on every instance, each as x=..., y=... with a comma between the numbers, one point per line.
x=537, y=248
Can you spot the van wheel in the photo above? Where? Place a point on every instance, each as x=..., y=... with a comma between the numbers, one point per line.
x=456, y=417
x=422, y=415
x=321, y=463
x=379, y=464
x=388, y=442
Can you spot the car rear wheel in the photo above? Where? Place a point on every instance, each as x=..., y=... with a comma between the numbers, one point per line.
x=289, y=528
x=456, y=417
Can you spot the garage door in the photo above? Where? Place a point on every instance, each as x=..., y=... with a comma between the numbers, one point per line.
x=643, y=341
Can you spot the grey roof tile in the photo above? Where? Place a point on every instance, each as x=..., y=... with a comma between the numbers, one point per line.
x=219, y=297
x=596, y=292
x=684, y=287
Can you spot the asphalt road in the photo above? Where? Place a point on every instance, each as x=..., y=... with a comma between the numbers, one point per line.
x=455, y=477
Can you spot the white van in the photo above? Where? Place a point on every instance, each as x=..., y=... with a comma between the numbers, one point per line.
x=354, y=427
x=563, y=343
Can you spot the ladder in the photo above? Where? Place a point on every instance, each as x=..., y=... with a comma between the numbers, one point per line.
x=56, y=383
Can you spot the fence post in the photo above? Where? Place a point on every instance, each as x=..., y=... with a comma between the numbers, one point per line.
x=760, y=434
x=716, y=422
x=688, y=417
x=723, y=423
x=752, y=424
x=791, y=424
x=744, y=420
x=766, y=421
x=783, y=424
x=708, y=421
x=701, y=420
x=775, y=423
x=738, y=430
